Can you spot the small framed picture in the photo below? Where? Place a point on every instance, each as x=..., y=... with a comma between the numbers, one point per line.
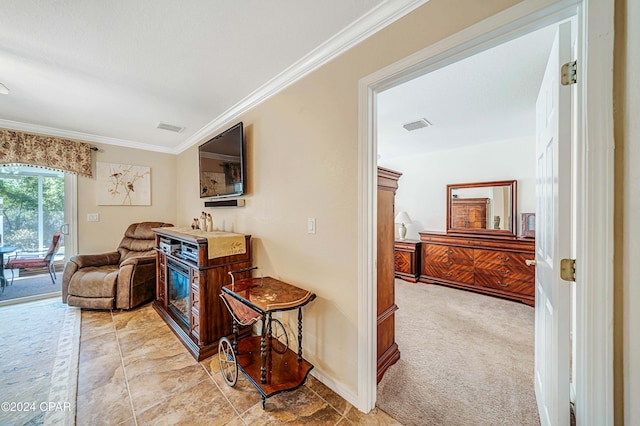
x=528, y=225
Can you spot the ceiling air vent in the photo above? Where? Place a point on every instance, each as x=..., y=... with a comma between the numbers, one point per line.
x=415, y=125
x=170, y=127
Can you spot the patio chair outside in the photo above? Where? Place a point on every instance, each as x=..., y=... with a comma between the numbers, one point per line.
x=26, y=261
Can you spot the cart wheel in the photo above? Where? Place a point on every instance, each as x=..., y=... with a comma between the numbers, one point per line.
x=228, y=363
x=280, y=343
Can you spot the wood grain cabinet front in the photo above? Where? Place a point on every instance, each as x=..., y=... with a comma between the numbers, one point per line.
x=407, y=260
x=505, y=271
x=387, y=352
x=484, y=265
x=469, y=213
x=161, y=282
x=194, y=282
x=188, y=289
x=448, y=262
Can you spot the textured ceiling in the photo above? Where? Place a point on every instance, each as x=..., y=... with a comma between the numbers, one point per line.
x=110, y=71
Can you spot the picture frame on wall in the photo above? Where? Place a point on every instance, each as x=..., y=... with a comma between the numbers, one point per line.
x=528, y=225
x=122, y=185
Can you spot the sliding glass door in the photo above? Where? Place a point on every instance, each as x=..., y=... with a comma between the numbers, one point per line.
x=32, y=203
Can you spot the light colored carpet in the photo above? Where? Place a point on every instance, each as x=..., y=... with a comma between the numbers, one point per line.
x=466, y=359
x=39, y=349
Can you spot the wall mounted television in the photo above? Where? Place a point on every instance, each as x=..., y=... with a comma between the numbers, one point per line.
x=221, y=163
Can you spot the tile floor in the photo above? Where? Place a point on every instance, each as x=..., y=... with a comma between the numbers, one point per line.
x=28, y=352
x=134, y=371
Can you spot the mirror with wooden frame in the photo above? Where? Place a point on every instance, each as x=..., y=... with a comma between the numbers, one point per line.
x=482, y=208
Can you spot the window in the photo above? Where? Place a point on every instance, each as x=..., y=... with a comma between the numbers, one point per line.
x=32, y=202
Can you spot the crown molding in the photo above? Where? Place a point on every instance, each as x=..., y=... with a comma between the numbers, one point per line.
x=375, y=20
x=86, y=137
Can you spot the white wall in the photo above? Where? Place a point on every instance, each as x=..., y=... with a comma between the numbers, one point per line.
x=422, y=189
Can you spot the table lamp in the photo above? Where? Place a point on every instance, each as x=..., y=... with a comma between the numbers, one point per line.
x=403, y=219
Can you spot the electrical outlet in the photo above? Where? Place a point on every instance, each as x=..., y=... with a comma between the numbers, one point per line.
x=93, y=217
x=311, y=225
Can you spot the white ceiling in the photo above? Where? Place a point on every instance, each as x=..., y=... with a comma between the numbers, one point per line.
x=487, y=97
x=110, y=71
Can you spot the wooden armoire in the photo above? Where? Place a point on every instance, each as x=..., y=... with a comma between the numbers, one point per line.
x=469, y=213
x=387, y=349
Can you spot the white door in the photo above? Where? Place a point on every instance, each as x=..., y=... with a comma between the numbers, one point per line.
x=553, y=236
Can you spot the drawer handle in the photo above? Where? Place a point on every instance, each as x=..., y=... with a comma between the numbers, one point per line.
x=504, y=259
x=531, y=262
x=449, y=263
x=503, y=271
x=501, y=284
x=448, y=274
x=449, y=251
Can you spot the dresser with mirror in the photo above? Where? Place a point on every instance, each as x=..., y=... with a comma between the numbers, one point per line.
x=481, y=250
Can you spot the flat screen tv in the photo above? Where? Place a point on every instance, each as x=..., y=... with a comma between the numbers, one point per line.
x=221, y=160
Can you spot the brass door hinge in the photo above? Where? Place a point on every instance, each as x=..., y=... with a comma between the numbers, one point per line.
x=568, y=269
x=569, y=73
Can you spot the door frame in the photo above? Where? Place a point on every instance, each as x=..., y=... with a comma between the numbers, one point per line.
x=71, y=214
x=594, y=186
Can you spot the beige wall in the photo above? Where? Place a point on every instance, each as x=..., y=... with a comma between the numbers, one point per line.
x=627, y=201
x=302, y=162
x=97, y=237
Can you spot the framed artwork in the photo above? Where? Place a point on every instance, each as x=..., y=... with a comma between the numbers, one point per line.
x=528, y=225
x=123, y=185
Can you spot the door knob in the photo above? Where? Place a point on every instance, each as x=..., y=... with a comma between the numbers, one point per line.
x=531, y=262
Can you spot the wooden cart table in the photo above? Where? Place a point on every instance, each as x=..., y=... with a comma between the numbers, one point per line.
x=268, y=364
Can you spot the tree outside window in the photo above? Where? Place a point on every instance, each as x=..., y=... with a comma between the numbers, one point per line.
x=31, y=206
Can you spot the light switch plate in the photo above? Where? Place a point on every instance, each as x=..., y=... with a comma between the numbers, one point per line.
x=311, y=225
x=93, y=217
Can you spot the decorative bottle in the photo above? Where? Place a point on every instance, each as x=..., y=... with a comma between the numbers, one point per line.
x=203, y=221
x=209, y=222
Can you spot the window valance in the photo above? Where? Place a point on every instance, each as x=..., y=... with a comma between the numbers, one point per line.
x=45, y=151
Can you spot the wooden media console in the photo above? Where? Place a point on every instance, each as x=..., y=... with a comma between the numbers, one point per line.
x=188, y=285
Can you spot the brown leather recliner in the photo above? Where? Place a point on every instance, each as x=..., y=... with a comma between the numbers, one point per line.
x=121, y=279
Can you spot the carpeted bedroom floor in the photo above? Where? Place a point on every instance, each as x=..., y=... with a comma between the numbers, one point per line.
x=466, y=359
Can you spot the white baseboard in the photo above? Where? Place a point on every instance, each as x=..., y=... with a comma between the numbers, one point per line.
x=343, y=392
